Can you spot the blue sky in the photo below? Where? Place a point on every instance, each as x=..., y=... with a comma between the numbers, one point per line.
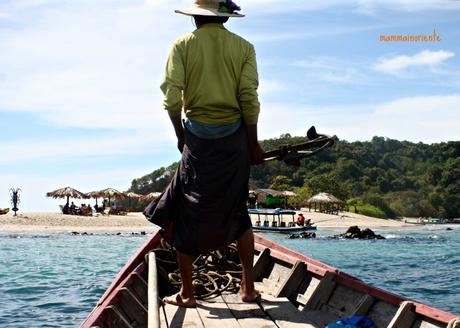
x=80, y=104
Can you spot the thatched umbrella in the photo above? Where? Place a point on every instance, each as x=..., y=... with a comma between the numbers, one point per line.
x=324, y=198
x=95, y=195
x=111, y=193
x=132, y=195
x=151, y=196
x=66, y=192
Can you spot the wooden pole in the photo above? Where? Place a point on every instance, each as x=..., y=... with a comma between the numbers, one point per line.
x=153, y=308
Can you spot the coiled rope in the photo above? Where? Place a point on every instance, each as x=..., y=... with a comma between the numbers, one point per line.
x=213, y=273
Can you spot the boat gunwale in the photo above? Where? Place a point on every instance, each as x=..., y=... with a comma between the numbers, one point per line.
x=120, y=280
x=281, y=252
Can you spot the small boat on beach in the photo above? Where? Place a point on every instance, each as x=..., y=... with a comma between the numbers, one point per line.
x=4, y=211
x=274, y=221
x=296, y=290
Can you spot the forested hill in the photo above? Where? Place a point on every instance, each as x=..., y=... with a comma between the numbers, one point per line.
x=387, y=177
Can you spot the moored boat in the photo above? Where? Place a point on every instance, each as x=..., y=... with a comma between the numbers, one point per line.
x=4, y=211
x=297, y=291
x=274, y=221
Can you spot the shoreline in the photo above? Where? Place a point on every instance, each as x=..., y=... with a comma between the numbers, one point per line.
x=134, y=222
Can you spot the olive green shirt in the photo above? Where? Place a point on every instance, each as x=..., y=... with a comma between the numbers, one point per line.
x=212, y=74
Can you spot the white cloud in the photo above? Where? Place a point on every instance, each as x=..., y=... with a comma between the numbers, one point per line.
x=332, y=70
x=424, y=59
x=80, y=147
x=428, y=119
x=86, y=69
x=371, y=7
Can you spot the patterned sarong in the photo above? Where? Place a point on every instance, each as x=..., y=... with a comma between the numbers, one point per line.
x=206, y=198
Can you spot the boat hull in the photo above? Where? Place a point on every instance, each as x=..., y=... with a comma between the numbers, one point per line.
x=286, y=230
x=307, y=293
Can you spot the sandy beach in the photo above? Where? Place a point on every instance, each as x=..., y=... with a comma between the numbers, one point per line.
x=135, y=222
x=57, y=222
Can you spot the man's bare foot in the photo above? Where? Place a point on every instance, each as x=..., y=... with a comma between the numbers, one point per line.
x=178, y=300
x=249, y=297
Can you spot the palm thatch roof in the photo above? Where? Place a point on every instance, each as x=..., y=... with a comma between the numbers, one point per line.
x=111, y=193
x=324, y=198
x=66, y=193
x=132, y=195
x=94, y=194
x=151, y=196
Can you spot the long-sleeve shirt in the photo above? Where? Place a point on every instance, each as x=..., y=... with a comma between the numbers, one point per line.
x=211, y=73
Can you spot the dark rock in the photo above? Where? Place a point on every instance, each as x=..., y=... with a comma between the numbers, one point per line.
x=304, y=235
x=354, y=232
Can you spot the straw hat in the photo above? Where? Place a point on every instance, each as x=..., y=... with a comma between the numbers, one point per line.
x=220, y=8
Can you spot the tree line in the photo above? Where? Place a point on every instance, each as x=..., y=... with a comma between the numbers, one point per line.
x=382, y=177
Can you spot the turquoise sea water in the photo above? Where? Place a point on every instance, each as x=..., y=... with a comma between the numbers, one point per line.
x=55, y=280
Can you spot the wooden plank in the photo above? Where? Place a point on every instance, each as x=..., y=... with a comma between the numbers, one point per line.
x=284, y=313
x=364, y=305
x=115, y=319
x=249, y=315
x=139, y=288
x=132, y=307
x=321, y=293
x=321, y=318
x=344, y=300
x=314, y=282
x=215, y=313
x=404, y=317
x=270, y=286
x=382, y=312
x=178, y=317
x=290, y=285
x=279, y=272
x=262, y=263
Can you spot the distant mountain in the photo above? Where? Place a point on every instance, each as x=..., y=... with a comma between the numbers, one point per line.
x=396, y=178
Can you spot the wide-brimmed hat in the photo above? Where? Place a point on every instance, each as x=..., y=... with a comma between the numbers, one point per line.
x=222, y=8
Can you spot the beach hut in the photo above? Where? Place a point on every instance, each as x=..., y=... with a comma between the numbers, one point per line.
x=271, y=198
x=325, y=198
x=66, y=192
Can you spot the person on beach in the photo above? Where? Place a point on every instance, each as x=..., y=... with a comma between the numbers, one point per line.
x=211, y=75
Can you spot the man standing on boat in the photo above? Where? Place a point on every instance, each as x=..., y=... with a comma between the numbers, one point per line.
x=211, y=75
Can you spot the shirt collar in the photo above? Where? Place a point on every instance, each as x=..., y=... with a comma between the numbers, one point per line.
x=213, y=25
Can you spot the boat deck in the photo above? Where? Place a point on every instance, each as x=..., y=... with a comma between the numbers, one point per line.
x=296, y=291
x=228, y=310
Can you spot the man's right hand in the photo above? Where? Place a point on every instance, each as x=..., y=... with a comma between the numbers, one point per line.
x=255, y=152
x=254, y=147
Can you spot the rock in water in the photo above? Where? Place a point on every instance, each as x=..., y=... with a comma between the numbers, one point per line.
x=302, y=235
x=354, y=232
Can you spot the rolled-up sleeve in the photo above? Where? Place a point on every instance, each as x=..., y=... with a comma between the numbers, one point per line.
x=247, y=90
x=173, y=82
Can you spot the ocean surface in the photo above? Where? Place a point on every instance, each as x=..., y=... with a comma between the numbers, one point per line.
x=55, y=280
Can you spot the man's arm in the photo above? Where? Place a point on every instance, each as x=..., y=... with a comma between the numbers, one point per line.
x=179, y=129
x=254, y=146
